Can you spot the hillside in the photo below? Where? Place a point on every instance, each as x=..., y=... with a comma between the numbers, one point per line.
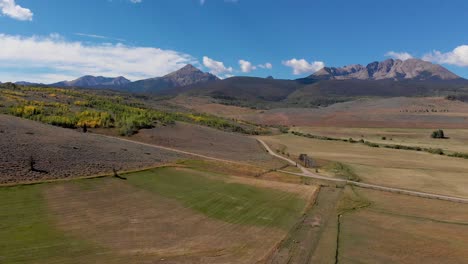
x=63, y=153
x=246, y=91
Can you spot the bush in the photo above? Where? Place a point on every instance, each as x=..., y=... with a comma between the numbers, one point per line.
x=343, y=171
x=459, y=155
x=436, y=151
x=438, y=134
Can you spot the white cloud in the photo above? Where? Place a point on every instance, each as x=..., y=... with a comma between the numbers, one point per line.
x=11, y=9
x=458, y=56
x=136, y=1
x=399, y=55
x=302, y=66
x=246, y=66
x=40, y=58
x=216, y=67
x=202, y=2
x=98, y=36
x=265, y=66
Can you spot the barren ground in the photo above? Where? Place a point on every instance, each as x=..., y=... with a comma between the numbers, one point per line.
x=208, y=141
x=64, y=153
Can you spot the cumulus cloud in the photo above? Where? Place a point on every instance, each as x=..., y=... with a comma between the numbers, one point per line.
x=458, y=56
x=302, y=66
x=49, y=59
x=11, y=9
x=216, y=67
x=136, y=1
x=266, y=66
x=246, y=66
x=399, y=55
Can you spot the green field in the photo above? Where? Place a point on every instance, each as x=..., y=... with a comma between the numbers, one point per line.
x=90, y=220
x=27, y=233
x=230, y=202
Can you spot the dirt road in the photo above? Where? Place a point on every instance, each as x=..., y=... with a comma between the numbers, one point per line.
x=307, y=173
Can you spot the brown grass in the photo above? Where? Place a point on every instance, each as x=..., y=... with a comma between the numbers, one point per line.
x=388, y=167
x=142, y=227
x=404, y=229
x=388, y=112
x=457, y=140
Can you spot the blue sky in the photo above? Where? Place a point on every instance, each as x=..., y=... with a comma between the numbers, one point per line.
x=51, y=40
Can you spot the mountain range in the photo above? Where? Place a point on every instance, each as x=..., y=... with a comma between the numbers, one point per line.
x=411, y=69
x=94, y=82
x=412, y=77
x=186, y=76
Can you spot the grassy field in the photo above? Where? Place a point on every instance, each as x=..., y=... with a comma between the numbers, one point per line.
x=395, y=228
x=229, y=202
x=28, y=235
x=388, y=167
x=457, y=140
x=179, y=215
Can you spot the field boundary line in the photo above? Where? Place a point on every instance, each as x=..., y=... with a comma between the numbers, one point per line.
x=90, y=177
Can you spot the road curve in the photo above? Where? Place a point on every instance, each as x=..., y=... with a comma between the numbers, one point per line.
x=307, y=173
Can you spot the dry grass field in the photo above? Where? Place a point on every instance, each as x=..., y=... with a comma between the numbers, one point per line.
x=402, y=229
x=388, y=167
x=457, y=140
x=400, y=112
x=166, y=215
x=209, y=142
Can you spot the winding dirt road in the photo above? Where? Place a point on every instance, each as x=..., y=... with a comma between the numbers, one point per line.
x=307, y=173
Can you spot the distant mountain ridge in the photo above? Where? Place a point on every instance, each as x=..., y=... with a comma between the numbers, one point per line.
x=186, y=76
x=411, y=69
x=389, y=78
x=93, y=81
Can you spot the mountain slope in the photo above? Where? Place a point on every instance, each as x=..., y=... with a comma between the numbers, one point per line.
x=411, y=69
x=188, y=75
x=93, y=81
x=244, y=90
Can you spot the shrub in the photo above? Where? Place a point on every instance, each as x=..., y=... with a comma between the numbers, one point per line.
x=342, y=170
x=436, y=151
x=438, y=134
x=459, y=155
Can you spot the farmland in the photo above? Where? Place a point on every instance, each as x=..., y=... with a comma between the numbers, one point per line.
x=388, y=167
x=167, y=215
x=398, y=228
x=456, y=141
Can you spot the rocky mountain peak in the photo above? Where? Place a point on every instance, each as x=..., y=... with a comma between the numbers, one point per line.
x=412, y=69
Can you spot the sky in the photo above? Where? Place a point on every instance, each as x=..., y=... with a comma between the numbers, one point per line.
x=53, y=40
